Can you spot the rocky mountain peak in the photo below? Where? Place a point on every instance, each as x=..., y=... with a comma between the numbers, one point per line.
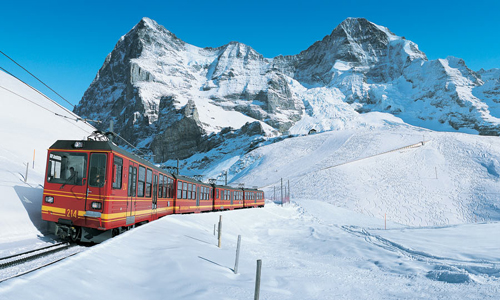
x=360, y=30
x=160, y=91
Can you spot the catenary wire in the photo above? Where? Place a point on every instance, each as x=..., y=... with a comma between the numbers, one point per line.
x=76, y=118
x=36, y=78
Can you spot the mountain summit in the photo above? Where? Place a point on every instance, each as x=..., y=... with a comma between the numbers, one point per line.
x=161, y=91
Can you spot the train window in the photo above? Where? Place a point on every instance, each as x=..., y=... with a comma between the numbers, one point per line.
x=164, y=187
x=160, y=187
x=194, y=191
x=142, y=181
x=67, y=168
x=132, y=178
x=179, y=189
x=189, y=191
x=149, y=179
x=118, y=166
x=97, y=169
x=217, y=193
x=170, y=186
x=184, y=190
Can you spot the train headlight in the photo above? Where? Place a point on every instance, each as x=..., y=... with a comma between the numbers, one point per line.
x=49, y=199
x=96, y=205
x=78, y=145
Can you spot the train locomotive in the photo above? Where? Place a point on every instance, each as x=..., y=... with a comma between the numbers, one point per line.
x=95, y=190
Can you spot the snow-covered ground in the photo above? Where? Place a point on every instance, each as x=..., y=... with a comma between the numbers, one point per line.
x=440, y=199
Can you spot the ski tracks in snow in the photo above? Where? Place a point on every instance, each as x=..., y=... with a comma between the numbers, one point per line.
x=441, y=268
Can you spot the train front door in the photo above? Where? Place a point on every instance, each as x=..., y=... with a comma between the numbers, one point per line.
x=96, y=182
x=131, y=193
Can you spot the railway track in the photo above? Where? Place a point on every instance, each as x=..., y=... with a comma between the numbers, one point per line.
x=26, y=262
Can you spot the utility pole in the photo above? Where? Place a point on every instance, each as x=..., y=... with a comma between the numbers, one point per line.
x=281, y=191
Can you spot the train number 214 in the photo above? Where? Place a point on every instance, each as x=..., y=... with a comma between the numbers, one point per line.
x=71, y=213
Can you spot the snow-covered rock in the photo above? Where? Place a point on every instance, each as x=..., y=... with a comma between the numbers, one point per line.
x=152, y=78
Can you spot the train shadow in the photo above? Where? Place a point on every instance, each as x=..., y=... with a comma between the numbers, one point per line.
x=31, y=198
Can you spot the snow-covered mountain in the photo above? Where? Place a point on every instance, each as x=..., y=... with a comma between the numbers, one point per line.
x=177, y=99
x=330, y=243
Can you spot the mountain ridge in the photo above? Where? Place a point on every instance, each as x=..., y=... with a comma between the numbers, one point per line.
x=152, y=74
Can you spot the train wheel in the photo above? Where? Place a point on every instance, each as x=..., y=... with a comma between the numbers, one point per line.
x=75, y=234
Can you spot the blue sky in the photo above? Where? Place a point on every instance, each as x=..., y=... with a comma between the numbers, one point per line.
x=65, y=42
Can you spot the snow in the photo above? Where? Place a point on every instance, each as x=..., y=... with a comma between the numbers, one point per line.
x=29, y=127
x=329, y=243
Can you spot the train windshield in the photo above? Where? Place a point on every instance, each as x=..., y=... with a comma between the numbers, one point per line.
x=67, y=168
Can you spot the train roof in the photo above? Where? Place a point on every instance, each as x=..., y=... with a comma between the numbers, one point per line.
x=189, y=179
x=226, y=187
x=252, y=190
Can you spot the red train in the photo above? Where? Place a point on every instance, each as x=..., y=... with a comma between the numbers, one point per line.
x=94, y=190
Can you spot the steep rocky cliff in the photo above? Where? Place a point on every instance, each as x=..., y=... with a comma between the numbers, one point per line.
x=175, y=99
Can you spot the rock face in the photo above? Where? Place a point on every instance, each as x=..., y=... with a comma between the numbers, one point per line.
x=176, y=99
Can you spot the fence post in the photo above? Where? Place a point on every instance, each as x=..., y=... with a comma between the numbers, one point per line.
x=220, y=228
x=237, y=255
x=27, y=168
x=257, y=279
x=214, y=229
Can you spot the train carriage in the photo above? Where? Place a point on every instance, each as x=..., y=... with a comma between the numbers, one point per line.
x=253, y=198
x=227, y=198
x=94, y=190
x=93, y=186
x=192, y=196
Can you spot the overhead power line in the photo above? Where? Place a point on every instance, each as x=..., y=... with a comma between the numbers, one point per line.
x=44, y=108
x=37, y=78
x=76, y=118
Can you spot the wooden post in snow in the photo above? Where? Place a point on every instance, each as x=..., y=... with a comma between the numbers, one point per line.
x=236, y=262
x=257, y=279
x=27, y=167
x=220, y=229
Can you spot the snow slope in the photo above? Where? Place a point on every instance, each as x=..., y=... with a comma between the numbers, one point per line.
x=453, y=178
x=306, y=254
x=329, y=244
x=28, y=124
